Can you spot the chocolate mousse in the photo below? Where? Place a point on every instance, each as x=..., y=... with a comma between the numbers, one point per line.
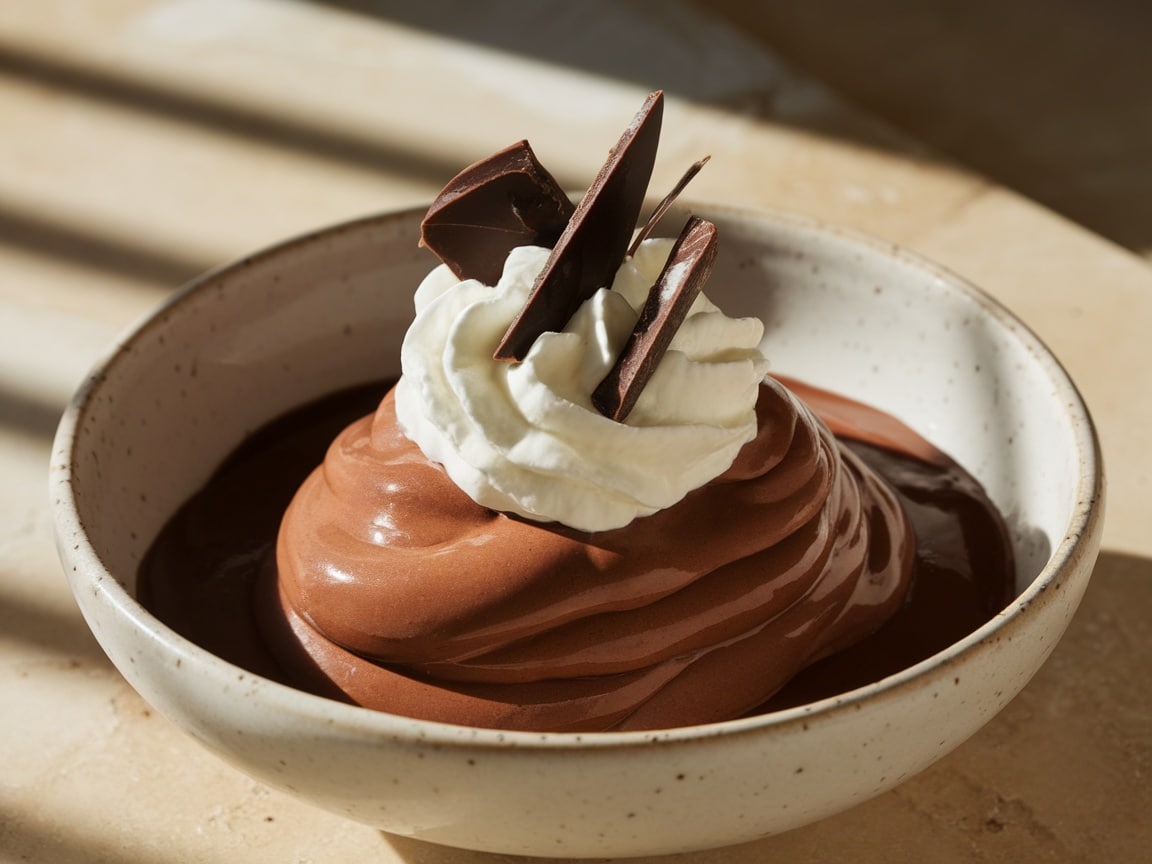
x=584, y=506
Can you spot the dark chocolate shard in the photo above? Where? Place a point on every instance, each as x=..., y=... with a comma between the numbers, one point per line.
x=490, y=208
x=668, y=201
x=592, y=247
x=668, y=302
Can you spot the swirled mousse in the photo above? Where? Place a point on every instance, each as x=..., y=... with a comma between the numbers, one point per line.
x=209, y=574
x=411, y=598
x=545, y=567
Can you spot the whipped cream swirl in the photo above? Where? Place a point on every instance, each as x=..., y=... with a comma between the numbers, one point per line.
x=524, y=438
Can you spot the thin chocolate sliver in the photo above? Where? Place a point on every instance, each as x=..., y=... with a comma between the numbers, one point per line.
x=664, y=311
x=490, y=208
x=592, y=247
x=664, y=205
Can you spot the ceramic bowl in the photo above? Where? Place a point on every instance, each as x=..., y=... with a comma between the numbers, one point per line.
x=249, y=341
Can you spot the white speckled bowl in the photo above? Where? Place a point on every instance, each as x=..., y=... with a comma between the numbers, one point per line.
x=249, y=341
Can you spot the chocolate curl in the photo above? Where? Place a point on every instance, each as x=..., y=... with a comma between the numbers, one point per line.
x=668, y=201
x=592, y=247
x=664, y=311
x=490, y=208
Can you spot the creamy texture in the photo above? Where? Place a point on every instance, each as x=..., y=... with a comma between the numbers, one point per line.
x=399, y=591
x=524, y=438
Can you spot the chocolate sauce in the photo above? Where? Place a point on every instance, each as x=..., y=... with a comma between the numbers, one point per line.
x=200, y=575
x=963, y=577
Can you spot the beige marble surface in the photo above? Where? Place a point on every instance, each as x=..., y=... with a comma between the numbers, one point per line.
x=146, y=140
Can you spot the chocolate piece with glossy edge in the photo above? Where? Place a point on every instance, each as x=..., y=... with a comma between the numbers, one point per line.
x=592, y=247
x=669, y=300
x=665, y=205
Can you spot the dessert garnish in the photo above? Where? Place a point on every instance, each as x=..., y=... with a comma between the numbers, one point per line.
x=506, y=200
x=510, y=200
x=667, y=306
x=596, y=314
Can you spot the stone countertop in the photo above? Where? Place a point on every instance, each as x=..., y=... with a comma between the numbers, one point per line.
x=147, y=140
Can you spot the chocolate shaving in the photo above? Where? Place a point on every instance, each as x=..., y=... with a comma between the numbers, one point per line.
x=490, y=208
x=593, y=245
x=663, y=206
x=664, y=311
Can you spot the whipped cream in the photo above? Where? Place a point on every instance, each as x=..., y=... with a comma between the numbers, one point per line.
x=525, y=438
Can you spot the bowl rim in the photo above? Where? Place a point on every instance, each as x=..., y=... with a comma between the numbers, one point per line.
x=82, y=562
